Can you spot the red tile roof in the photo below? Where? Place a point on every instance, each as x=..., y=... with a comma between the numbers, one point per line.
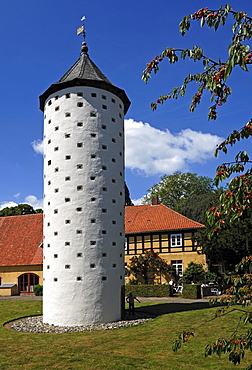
x=21, y=240
x=151, y=218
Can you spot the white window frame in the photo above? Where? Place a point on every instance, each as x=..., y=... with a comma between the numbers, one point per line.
x=178, y=264
x=176, y=240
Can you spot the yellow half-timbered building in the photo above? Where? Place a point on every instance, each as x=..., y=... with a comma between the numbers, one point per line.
x=157, y=227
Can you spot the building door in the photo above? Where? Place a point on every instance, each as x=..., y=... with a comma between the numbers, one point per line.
x=26, y=283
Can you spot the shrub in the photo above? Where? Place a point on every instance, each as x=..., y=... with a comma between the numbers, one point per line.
x=38, y=290
x=191, y=291
x=148, y=290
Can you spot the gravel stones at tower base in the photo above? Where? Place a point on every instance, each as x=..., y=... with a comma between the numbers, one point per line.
x=35, y=324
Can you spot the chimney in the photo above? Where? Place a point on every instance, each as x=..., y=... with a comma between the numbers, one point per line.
x=155, y=201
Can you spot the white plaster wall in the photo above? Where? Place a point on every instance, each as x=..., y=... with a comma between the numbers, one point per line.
x=83, y=258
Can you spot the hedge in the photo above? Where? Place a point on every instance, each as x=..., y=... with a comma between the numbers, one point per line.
x=191, y=291
x=38, y=290
x=148, y=290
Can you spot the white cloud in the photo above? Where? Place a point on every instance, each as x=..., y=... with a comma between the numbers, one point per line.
x=38, y=146
x=16, y=195
x=151, y=151
x=8, y=204
x=34, y=201
x=138, y=201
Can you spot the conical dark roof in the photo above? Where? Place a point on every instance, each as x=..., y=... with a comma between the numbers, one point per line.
x=84, y=73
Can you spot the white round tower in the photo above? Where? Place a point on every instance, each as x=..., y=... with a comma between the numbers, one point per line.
x=83, y=197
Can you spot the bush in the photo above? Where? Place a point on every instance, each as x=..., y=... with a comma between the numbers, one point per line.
x=148, y=290
x=191, y=291
x=38, y=290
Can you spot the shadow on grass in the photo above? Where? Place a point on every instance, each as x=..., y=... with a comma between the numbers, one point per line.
x=165, y=308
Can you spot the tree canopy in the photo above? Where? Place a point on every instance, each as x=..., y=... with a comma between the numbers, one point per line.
x=176, y=189
x=213, y=78
x=20, y=209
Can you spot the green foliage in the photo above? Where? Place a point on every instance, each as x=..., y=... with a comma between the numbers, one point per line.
x=128, y=201
x=191, y=291
x=39, y=210
x=147, y=266
x=194, y=273
x=196, y=206
x=157, y=290
x=21, y=209
x=174, y=190
x=213, y=79
x=38, y=290
x=227, y=247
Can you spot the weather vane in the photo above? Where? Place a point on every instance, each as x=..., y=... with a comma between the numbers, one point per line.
x=81, y=29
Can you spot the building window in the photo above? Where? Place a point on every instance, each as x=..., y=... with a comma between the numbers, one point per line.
x=79, y=145
x=57, y=108
x=67, y=157
x=92, y=114
x=178, y=264
x=113, y=119
x=49, y=121
x=93, y=95
x=113, y=100
x=104, y=106
x=26, y=282
x=176, y=240
x=67, y=200
x=104, y=254
x=104, y=147
x=79, y=187
x=80, y=104
x=79, y=209
x=104, y=127
x=68, y=178
x=56, y=128
x=67, y=95
x=79, y=255
x=79, y=166
x=67, y=136
x=79, y=278
x=67, y=266
x=67, y=243
x=79, y=94
x=93, y=135
x=79, y=124
x=67, y=114
x=104, y=97
x=92, y=265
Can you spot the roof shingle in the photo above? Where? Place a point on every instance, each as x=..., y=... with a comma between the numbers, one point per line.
x=21, y=238
x=153, y=218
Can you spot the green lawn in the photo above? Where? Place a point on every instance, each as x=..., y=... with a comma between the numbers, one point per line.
x=142, y=347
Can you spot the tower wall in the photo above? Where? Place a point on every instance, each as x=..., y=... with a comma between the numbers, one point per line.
x=83, y=206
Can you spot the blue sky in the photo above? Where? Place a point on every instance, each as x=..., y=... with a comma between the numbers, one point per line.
x=39, y=44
